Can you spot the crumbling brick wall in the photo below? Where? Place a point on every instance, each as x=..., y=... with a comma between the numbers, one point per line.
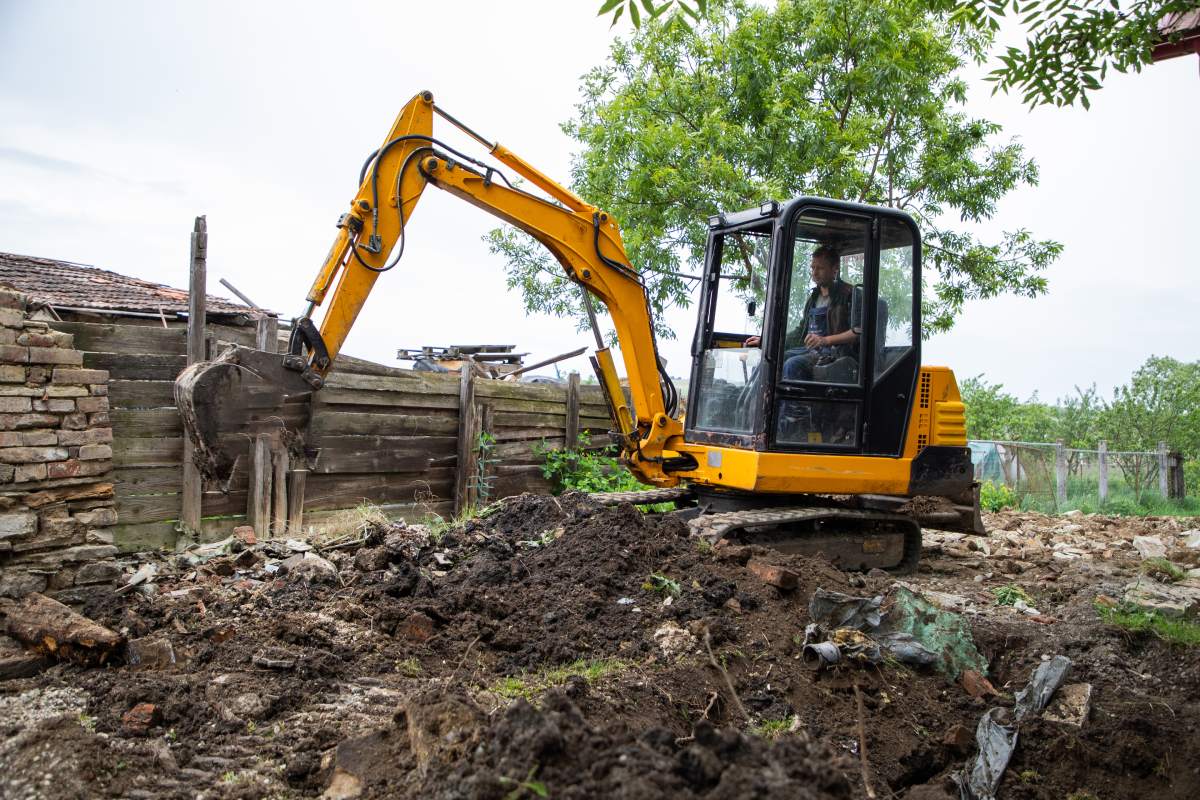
x=56, y=491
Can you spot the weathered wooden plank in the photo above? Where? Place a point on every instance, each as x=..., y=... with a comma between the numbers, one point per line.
x=374, y=397
x=258, y=500
x=348, y=423
x=296, y=481
x=158, y=451
x=160, y=507
x=279, y=503
x=145, y=422
x=130, y=481
x=572, y=425
x=140, y=394
x=126, y=339
x=146, y=367
x=433, y=445
x=400, y=381
x=341, y=491
x=333, y=461
x=522, y=391
x=468, y=424
x=518, y=419
x=360, y=366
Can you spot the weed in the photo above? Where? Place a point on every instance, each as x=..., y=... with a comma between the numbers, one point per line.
x=531, y=685
x=1137, y=620
x=1029, y=776
x=1081, y=794
x=661, y=583
x=410, y=668
x=482, y=483
x=771, y=728
x=1010, y=594
x=535, y=788
x=251, y=727
x=1163, y=571
x=703, y=546
x=87, y=722
x=997, y=496
x=585, y=468
x=171, y=735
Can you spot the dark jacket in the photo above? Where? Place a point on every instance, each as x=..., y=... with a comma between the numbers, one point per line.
x=843, y=315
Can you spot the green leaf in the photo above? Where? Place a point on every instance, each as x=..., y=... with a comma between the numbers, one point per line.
x=617, y=16
x=608, y=6
x=634, y=15
x=649, y=7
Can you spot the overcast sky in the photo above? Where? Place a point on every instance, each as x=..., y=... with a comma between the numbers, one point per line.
x=121, y=121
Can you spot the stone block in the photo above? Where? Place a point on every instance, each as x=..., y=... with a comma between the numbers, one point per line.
x=16, y=405
x=779, y=577
x=37, y=438
x=31, y=455
x=11, y=373
x=150, y=652
x=36, y=339
x=80, y=376
x=99, y=419
x=93, y=452
x=74, y=422
x=98, y=572
x=20, y=523
x=63, y=405
x=99, y=390
x=16, y=583
x=1149, y=547
x=25, y=473
x=63, y=494
x=7, y=473
x=55, y=355
x=66, y=391
x=14, y=354
x=90, y=405
x=91, y=436
x=11, y=298
x=60, y=526
x=12, y=318
x=12, y=390
x=12, y=422
x=48, y=541
x=61, y=339
x=98, y=517
x=9, y=335
x=12, y=439
x=99, y=536
x=38, y=375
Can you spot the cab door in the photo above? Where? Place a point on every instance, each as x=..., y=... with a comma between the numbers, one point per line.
x=845, y=352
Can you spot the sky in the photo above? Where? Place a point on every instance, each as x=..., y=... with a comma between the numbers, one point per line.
x=122, y=121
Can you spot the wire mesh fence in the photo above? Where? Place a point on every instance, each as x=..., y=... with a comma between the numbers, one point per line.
x=1051, y=477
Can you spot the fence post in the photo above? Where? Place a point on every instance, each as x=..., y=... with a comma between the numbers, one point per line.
x=1060, y=473
x=466, y=434
x=295, y=500
x=258, y=500
x=193, y=489
x=279, y=483
x=1163, y=488
x=1176, y=483
x=266, y=334
x=1103, y=466
x=572, y=432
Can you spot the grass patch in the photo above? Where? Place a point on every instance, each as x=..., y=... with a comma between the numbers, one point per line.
x=1010, y=594
x=661, y=583
x=530, y=685
x=1163, y=571
x=438, y=525
x=1137, y=620
x=410, y=668
x=772, y=728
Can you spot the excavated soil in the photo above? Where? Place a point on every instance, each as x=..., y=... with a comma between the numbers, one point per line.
x=558, y=648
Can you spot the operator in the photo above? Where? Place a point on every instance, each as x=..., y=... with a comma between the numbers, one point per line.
x=826, y=326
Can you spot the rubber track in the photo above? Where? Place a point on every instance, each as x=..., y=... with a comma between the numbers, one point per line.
x=713, y=527
x=641, y=497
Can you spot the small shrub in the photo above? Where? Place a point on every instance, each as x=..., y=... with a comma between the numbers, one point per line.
x=661, y=583
x=584, y=469
x=996, y=497
x=1137, y=620
x=1010, y=594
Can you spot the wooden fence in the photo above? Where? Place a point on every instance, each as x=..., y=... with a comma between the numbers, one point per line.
x=393, y=438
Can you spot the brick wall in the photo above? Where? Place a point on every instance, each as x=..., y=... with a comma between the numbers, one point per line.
x=56, y=491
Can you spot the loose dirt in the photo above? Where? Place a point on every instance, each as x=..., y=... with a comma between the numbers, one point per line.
x=558, y=648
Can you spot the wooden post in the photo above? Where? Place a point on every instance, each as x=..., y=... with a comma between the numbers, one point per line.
x=1060, y=474
x=466, y=434
x=266, y=334
x=1163, y=488
x=258, y=501
x=1177, y=483
x=295, y=499
x=279, y=482
x=1103, y=466
x=572, y=433
x=193, y=488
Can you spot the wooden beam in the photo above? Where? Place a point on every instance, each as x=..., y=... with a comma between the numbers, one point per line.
x=572, y=430
x=295, y=497
x=258, y=499
x=193, y=489
x=266, y=334
x=466, y=435
x=279, y=482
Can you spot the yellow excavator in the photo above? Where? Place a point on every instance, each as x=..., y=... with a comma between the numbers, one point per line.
x=822, y=433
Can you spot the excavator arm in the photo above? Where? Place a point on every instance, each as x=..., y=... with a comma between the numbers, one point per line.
x=244, y=387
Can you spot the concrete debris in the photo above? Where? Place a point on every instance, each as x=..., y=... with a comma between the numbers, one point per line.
x=1150, y=547
x=673, y=640
x=310, y=568
x=150, y=652
x=1071, y=705
x=1190, y=540
x=1170, y=600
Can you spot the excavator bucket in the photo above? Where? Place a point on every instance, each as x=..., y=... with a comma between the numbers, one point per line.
x=242, y=393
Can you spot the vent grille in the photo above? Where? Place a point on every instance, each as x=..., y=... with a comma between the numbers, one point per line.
x=922, y=441
x=926, y=382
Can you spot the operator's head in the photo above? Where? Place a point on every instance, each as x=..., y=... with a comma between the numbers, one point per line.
x=825, y=266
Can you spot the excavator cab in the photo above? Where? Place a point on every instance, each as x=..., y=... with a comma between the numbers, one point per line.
x=755, y=383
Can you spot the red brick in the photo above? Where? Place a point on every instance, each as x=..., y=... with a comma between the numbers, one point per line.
x=31, y=455
x=80, y=375
x=14, y=354
x=41, y=438
x=12, y=318
x=11, y=373
x=99, y=419
x=58, y=405
x=74, y=422
x=416, y=627
x=779, y=577
x=90, y=405
x=138, y=720
x=100, y=390
x=95, y=452
x=34, y=339
x=37, y=375
x=15, y=405
x=92, y=436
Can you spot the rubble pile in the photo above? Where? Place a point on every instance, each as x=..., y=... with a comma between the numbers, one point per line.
x=553, y=647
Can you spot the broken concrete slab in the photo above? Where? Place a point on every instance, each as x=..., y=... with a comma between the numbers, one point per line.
x=309, y=567
x=1166, y=599
x=1149, y=547
x=150, y=652
x=1071, y=705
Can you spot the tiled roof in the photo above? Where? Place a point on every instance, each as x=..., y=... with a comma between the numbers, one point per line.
x=62, y=283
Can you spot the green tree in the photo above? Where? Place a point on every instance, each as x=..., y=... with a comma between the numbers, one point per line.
x=852, y=99
x=683, y=12
x=1072, y=43
x=995, y=415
